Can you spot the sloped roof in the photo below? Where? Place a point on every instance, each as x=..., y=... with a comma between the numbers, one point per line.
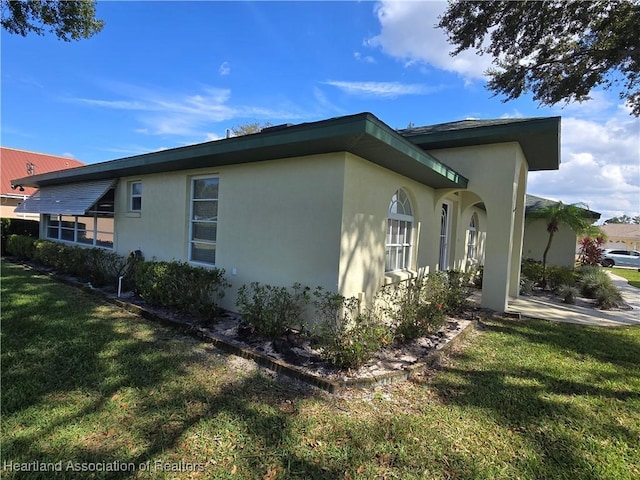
x=406, y=152
x=533, y=203
x=621, y=230
x=19, y=163
x=362, y=134
x=538, y=137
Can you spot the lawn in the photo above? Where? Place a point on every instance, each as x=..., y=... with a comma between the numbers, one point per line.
x=88, y=388
x=632, y=275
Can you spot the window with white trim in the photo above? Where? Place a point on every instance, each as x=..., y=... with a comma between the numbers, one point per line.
x=203, y=223
x=399, y=233
x=96, y=228
x=135, y=196
x=472, y=248
x=94, y=231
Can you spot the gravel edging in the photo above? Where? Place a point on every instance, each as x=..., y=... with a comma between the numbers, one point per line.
x=430, y=360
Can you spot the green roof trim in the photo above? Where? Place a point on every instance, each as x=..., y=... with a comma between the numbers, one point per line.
x=362, y=134
x=539, y=137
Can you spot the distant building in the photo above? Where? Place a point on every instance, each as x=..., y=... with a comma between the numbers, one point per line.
x=622, y=236
x=19, y=163
x=563, y=247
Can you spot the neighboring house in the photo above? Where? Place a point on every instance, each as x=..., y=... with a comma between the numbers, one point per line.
x=563, y=246
x=622, y=236
x=348, y=203
x=19, y=163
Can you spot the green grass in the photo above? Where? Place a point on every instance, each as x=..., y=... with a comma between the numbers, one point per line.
x=83, y=382
x=632, y=276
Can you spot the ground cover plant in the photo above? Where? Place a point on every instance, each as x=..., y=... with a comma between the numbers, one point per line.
x=86, y=383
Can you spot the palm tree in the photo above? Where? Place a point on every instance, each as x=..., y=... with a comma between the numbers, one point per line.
x=575, y=216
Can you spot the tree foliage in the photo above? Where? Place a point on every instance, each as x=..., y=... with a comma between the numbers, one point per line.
x=248, y=128
x=69, y=20
x=624, y=219
x=558, y=50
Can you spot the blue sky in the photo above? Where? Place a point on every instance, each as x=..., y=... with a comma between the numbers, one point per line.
x=167, y=74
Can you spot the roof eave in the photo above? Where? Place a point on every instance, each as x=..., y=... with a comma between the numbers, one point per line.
x=361, y=134
x=539, y=139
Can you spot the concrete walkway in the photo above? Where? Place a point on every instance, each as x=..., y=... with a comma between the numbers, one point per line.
x=552, y=308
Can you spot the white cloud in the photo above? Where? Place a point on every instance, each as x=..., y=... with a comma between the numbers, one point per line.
x=225, y=69
x=171, y=113
x=382, y=89
x=363, y=58
x=408, y=33
x=600, y=166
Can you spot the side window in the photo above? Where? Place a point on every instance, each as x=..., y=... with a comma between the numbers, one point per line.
x=399, y=233
x=204, y=220
x=135, y=196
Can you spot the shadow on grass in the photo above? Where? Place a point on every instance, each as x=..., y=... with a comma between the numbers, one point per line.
x=88, y=384
x=546, y=401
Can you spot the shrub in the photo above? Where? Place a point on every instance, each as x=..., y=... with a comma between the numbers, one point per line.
x=458, y=288
x=477, y=277
x=17, y=226
x=568, y=294
x=591, y=279
x=532, y=270
x=417, y=306
x=270, y=310
x=558, y=276
x=355, y=341
x=526, y=286
x=591, y=250
x=21, y=246
x=608, y=296
x=177, y=284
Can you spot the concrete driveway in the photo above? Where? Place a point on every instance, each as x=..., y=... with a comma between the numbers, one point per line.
x=552, y=308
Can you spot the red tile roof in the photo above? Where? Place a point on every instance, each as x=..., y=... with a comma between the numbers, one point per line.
x=20, y=163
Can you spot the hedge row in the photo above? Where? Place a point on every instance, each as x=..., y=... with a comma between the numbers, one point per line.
x=172, y=284
x=17, y=226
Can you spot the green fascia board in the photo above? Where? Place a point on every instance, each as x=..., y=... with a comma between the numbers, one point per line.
x=538, y=137
x=361, y=134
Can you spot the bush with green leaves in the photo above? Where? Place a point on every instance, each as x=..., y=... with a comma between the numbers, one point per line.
x=526, y=286
x=270, y=310
x=596, y=284
x=17, y=226
x=178, y=284
x=95, y=265
x=532, y=270
x=21, y=246
x=417, y=307
x=568, y=293
x=558, y=276
x=348, y=336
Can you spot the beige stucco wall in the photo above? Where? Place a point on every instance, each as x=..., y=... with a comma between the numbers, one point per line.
x=278, y=222
x=7, y=206
x=563, y=246
x=497, y=174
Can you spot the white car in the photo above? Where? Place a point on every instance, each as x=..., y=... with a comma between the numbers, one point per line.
x=622, y=258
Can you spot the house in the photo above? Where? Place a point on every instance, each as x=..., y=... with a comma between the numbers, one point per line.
x=348, y=203
x=18, y=163
x=625, y=236
x=563, y=247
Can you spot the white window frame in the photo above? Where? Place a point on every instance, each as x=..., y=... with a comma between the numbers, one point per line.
x=445, y=234
x=472, y=245
x=193, y=221
x=401, y=223
x=133, y=196
x=77, y=219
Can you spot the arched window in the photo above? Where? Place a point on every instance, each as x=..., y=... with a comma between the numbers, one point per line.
x=472, y=247
x=399, y=233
